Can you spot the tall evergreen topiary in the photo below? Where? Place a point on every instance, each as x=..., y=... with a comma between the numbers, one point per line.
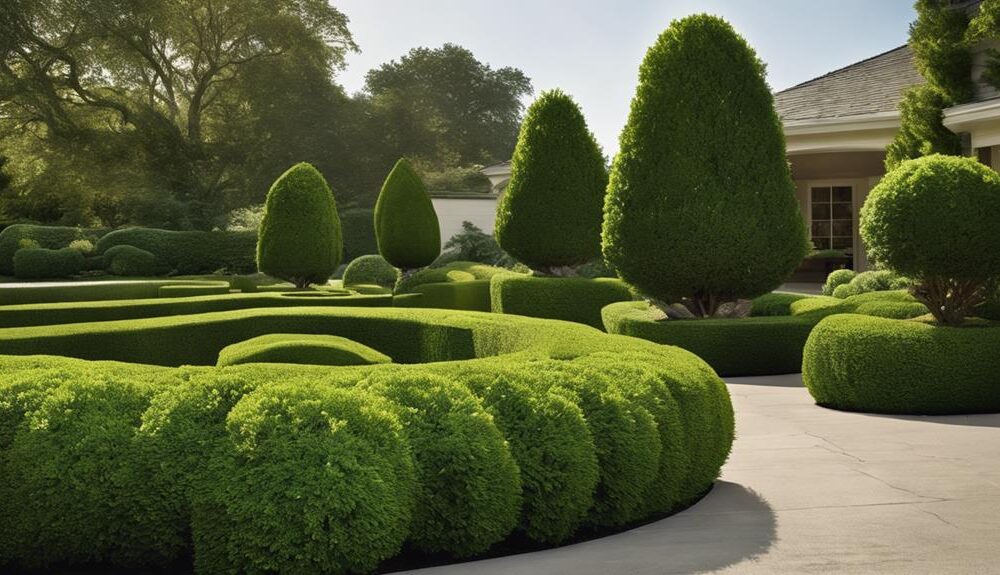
x=406, y=225
x=299, y=238
x=701, y=206
x=550, y=216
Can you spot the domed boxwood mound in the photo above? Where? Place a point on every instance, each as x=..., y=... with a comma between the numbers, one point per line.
x=41, y=263
x=371, y=270
x=879, y=365
x=126, y=260
x=300, y=348
x=896, y=304
x=570, y=299
x=536, y=426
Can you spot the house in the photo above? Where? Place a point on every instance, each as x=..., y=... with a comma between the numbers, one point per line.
x=837, y=128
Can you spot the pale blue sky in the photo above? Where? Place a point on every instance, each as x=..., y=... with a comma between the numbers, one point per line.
x=592, y=48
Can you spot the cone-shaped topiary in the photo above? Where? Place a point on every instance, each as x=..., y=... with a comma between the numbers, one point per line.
x=299, y=239
x=550, y=216
x=406, y=225
x=701, y=206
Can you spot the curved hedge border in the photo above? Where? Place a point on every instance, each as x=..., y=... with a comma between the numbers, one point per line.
x=546, y=427
x=571, y=299
x=300, y=348
x=179, y=304
x=765, y=345
x=862, y=363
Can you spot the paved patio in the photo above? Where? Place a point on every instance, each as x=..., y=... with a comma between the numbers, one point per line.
x=811, y=490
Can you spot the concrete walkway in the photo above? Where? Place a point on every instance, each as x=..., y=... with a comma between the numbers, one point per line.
x=811, y=490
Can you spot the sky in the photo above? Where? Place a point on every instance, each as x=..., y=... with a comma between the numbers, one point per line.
x=592, y=48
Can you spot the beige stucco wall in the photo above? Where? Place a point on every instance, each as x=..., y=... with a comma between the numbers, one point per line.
x=452, y=212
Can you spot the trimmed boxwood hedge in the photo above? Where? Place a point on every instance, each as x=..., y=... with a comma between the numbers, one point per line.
x=897, y=304
x=193, y=252
x=49, y=237
x=300, y=348
x=570, y=299
x=42, y=263
x=472, y=295
x=880, y=365
x=126, y=260
x=371, y=270
x=545, y=427
x=458, y=271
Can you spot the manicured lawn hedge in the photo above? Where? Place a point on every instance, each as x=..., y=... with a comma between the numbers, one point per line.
x=91, y=311
x=543, y=428
x=896, y=304
x=733, y=347
x=49, y=237
x=102, y=290
x=570, y=299
x=192, y=252
x=472, y=295
x=300, y=348
x=862, y=363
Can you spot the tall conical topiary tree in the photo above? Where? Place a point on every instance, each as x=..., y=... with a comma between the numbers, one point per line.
x=406, y=225
x=550, y=215
x=299, y=238
x=701, y=207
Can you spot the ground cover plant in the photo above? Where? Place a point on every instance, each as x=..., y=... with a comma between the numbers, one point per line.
x=540, y=428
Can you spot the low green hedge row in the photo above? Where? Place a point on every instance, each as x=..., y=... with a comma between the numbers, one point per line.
x=300, y=348
x=472, y=295
x=49, y=237
x=192, y=252
x=43, y=263
x=176, y=300
x=898, y=304
x=570, y=299
x=882, y=365
x=454, y=272
x=546, y=427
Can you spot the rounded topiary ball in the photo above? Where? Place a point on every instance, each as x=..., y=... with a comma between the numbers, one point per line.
x=371, y=269
x=935, y=216
x=126, y=260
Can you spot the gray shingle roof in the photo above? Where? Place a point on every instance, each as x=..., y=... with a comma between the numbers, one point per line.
x=866, y=87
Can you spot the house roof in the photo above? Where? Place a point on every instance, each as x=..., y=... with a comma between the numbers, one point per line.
x=867, y=87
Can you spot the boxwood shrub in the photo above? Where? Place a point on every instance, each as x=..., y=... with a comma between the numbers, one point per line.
x=570, y=299
x=837, y=278
x=12, y=239
x=126, y=260
x=372, y=270
x=537, y=426
x=313, y=349
x=191, y=252
x=42, y=263
x=863, y=363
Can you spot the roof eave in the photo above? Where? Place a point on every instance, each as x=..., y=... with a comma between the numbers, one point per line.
x=873, y=121
x=963, y=117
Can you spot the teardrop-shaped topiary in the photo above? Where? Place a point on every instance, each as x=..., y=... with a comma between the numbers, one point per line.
x=550, y=215
x=406, y=225
x=299, y=239
x=701, y=206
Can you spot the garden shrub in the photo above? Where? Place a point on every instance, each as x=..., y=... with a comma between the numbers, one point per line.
x=473, y=245
x=453, y=272
x=550, y=215
x=322, y=481
x=933, y=219
x=406, y=225
x=856, y=363
x=42, y=263
x=358, y=230
x=126, y=260
x=570, y=299
x=472, y=295
x=468, y=485
x=775, y=303
x=701, y=206
x=18, y=236
x=314, y=349
x=85, y=247
x=837, y=278
x=300, y=238
x=189, y=252
x=898, y=304
x=764, y=345
x=371, y=269
x=870, y=281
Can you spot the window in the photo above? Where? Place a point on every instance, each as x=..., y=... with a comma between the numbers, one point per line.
x=833, y=218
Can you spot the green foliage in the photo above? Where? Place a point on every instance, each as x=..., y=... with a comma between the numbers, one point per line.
x=701, y=206
x=898, y=304
x=246, y=219
x=932, y=220
x=985, y=26
x=85, y=247
x=126, y=260
x=41, y=263
x=193, y=290
x=300, y=348
x=191, y=252
x=473, y=245
x=371, y=269
x=358, y=229
x=472, y=295
x=860, y=363
x=18, y=236
x=406, y=224
x=941, y=52
x=299, y=239
x=570, y=299
x=458, y=180
x=869, y=281
x=469, y=487
x=550, y=215
x=921, y=131
x=775, y=303
x=764, y=345
x=837, y=278
x=457, y=271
